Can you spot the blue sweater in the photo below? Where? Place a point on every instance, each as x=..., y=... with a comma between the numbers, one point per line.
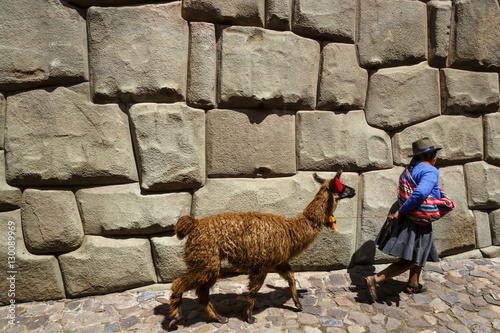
x=427, y=178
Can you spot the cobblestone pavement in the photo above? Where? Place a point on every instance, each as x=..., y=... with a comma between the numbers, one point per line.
x=462, y=296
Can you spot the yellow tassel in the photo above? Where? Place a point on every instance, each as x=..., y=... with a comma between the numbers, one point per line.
x=333, y=224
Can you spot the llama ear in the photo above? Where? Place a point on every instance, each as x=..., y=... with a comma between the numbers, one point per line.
x=338, y=173
x=318, y=178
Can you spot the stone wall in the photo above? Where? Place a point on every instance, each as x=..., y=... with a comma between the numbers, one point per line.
x=119, y=116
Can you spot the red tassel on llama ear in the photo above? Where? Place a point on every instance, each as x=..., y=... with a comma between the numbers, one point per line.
x=338, y=185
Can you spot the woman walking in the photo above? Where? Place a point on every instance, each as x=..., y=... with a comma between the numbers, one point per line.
x=407, y=233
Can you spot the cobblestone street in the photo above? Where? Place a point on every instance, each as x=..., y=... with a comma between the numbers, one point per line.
x=463, y=296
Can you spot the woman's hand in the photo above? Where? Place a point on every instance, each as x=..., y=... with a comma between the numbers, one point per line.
x=395, y=216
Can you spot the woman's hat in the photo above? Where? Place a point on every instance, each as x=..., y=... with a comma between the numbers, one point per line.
x=423, y=146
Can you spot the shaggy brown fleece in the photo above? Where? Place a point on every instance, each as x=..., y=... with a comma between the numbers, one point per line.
x=252, y=242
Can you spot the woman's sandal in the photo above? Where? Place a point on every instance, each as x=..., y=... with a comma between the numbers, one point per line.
x=409, y=289
x=372, y=286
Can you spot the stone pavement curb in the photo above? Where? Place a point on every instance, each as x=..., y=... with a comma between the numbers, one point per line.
x=463, y=296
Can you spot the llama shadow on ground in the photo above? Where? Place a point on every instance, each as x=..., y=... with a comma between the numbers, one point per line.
x=229, y=305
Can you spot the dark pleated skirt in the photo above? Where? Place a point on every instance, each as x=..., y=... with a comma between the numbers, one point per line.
x=407, y=240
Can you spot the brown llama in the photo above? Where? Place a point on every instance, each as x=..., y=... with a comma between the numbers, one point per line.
x=252, y=242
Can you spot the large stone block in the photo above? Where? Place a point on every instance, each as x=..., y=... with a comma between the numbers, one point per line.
x=250, y=143
x=53, y=47
x=123, y=209
x=138, y=53
x=104, y=3
x=391, y=33
x=258, y=69
x=105, y=265
x=3, y=109
x=454, y=233
x=167, y=254
x=329, y=141
x=170, y=142
x=287, y=197
x=278, y=14
x=332, y=20
x=492, y=138
x=37, y=277
x=377, y=194
x=10, y=197
x=465, y=91
x=342, y=83
x=482, y=229
x=475, y=35
x=439, y=15
x=202, y=71
x=58, y=137
x=495, y=226
x=235, y=12
x=402, y=96
x=51, y=221
x=460, y=137
x=483, y=185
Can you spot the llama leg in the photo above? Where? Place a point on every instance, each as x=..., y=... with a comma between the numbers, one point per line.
x=204, y=300
x=285, y=270
x=180, y=285
x=254, y=285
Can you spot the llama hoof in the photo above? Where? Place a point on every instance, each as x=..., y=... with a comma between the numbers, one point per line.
x=222, y=320
x=173, y=324
x=251, y=319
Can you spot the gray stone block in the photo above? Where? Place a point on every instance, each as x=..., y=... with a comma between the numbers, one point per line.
x=104, y=3
x=51, y=221
x=10, y=197
x=483, y=185
x=330, y=141
x=202, y=69
x=58, y=137
x=391, y=33
x=492, y=138
x=482, y=229
x=250, y=143
x=37, y=277
x=53, y=47
x=460, y=137
x=342, y=83
x=138, y=53
x=235, y=12
x=124, y=210
x=473, y=41
x=332, y=20
x=465, y=91
x=3, y=109
x=258, y=69
x=170, y=144
x=474, y=254
x=278, y=14
x=167, y=254
x=491, y=251
x=439, y=16
x=402, y=96
x=495, y=226
x=105, y=265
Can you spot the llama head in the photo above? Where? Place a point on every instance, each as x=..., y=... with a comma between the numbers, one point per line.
x=335, y=187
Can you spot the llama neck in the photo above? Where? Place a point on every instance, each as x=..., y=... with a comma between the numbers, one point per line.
x=318, y=212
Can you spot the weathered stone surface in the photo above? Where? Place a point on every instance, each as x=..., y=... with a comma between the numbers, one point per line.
x=278, y=14
x=333, y=20
x=44, y=55
x=104, y=265
x=235, y=12
x=465, y=91
x=482, y=229
x=139, y=53
x=89, y=3
x=123, y=209
x=396, y=96
x=439, y=14
x=483, y=185
x=167, y=254
x=3, y=109
x=460, y=137
x=10, y=197
x=352, y=144
x=492, y=138
x=287, y=197
x=391, y=33
x=342, y=83
x=57, y=137
x=473, y=41
x=51, y=221
x=491, y=251
x=454, y=232
x=258, y=69
x=495, y=226
x=38, y=277
x=377, y=193
x=170, y=141
x=250, y=143
x=474, y=254
x=202, y=65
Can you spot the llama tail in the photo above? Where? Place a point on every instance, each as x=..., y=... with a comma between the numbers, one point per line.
x=184, y=226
